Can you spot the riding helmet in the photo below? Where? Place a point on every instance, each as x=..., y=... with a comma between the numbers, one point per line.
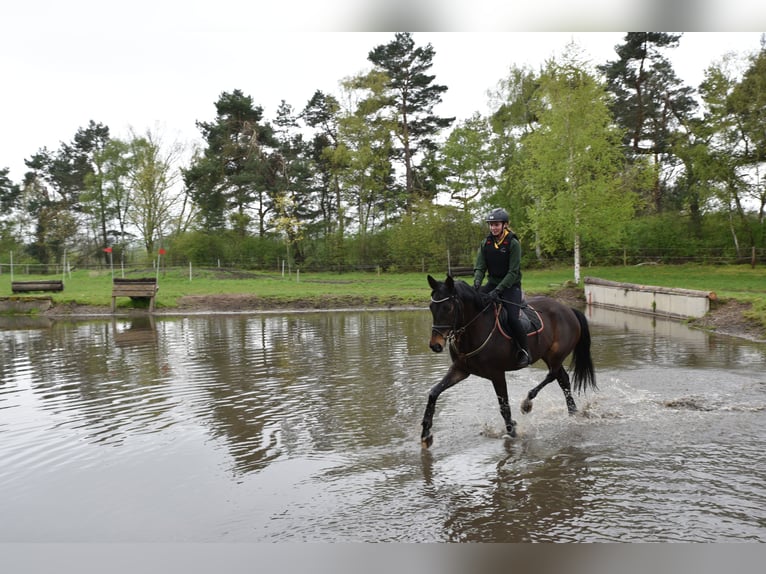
x=498, y=214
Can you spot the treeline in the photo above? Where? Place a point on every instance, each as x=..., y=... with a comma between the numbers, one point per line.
x=590, y=162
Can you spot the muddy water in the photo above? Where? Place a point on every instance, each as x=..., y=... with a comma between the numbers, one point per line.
x=305, y=427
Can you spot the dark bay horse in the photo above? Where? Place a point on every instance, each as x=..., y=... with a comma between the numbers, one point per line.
x=467, y=322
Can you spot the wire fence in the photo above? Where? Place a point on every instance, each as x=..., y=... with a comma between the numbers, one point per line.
x=669, y=256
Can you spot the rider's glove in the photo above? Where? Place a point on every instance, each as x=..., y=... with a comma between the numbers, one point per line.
x=495, y=295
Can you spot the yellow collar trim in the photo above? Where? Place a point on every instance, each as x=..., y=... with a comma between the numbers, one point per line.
x=503, y=236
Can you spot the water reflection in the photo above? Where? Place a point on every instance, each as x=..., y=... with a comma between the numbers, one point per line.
x=24, y=322
x=286, y=383
x=138, y=331
x=533, y=493
x=633, y=339
x=304, y=427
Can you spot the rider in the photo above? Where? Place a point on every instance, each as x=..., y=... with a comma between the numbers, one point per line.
x=500, y=257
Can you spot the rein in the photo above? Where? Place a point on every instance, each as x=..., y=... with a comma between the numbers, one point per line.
x=453, y=332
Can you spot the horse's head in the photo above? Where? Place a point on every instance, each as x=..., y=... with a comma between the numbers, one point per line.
x=445, y=308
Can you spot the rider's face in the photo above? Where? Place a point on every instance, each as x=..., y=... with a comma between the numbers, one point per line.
x=495, y=227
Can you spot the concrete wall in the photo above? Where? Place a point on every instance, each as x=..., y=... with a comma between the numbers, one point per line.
x=679, y=303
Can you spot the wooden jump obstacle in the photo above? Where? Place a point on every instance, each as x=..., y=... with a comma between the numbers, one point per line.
x=460, y=271
x=143, y=288
x=43, y=285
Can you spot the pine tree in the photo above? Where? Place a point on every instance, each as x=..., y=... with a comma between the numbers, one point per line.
x=412, y=96
x=650, y=102
x=231, y=177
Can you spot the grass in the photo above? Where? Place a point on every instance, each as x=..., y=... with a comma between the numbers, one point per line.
x=83, y=287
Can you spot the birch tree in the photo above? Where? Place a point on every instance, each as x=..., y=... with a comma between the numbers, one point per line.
x=574, y=164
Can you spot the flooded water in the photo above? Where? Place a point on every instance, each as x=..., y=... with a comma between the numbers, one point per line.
x=305, y=427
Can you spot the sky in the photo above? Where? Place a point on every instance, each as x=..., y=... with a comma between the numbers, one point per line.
x=162, y=64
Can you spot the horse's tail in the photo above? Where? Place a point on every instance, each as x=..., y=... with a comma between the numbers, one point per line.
x=584, y=375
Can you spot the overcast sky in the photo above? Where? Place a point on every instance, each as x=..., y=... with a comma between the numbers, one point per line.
x=162, y=65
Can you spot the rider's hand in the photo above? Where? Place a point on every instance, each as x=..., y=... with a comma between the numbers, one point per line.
x=476, y=285
x=495, y=295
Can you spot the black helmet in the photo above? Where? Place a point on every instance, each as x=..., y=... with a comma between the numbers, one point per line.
x=498, y=214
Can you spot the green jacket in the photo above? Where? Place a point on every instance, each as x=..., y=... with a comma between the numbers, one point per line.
x=502, y=263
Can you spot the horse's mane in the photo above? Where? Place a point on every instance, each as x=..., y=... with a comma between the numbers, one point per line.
x=467, y=292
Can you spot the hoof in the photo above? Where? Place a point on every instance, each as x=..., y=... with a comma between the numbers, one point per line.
x=426, y=442
x=510, y=433
x=526, y=406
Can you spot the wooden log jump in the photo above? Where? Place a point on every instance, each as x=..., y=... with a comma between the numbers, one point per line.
x=43, y=285
x=461, y=271
x=142, y=288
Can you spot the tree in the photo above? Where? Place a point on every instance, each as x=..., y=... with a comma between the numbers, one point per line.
x=732, y=158
x=366, y=151
x=513, y=102
x=650, y=103
x=231, y=178
x=10, y=204
x=106, y=197
x=10, y=193
x=514, y=118
x=54, y=187
x=322, y=113
x=468, y=161
x=748, y=102
x=292, y=193
x=410, y=97
x=573, y=166
x=48, y=212
x=157, y=201
x=88, y=166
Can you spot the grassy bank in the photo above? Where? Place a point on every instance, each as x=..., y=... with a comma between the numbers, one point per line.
x=93, y=288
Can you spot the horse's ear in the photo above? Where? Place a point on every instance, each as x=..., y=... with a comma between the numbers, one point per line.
x=450, y=283
x=433, y=283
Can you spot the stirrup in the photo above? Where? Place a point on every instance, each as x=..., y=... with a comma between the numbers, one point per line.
x=523, y=358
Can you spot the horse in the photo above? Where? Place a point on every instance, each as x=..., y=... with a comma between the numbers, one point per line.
x=470, y=324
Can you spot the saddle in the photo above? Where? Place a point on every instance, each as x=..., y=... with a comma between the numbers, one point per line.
x=530, y=319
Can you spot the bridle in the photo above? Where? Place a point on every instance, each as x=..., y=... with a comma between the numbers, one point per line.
x=450, y=328
x=452, y=333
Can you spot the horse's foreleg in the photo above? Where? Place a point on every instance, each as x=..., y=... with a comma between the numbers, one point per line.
x=453, y=376
x=501, y=390
x=526, y=404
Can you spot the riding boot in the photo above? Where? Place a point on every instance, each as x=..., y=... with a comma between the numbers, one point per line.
x=522, y=359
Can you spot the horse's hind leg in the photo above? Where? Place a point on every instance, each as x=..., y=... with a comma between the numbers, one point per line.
x=501, y=390
x=563, y=379
x=526, y=404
